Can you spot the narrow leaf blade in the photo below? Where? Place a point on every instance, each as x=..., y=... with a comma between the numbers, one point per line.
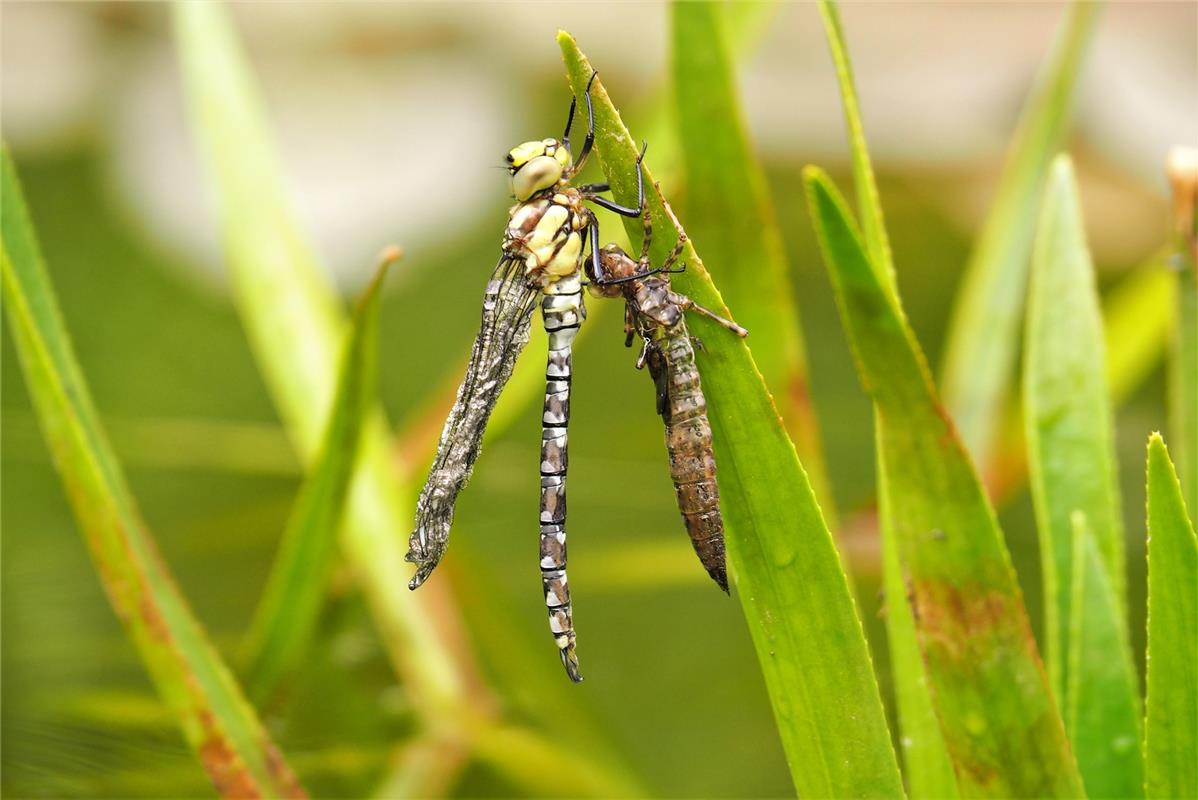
x=290, y=604
x=1000, y=724
x=983, y=332
x=787, y=572
x=869, y=203
x=1069, y=427
x=927, y=766
x=1102, y=701
x=731, y=217
x=1171, y=727
x=217, y=721
x=929, y=771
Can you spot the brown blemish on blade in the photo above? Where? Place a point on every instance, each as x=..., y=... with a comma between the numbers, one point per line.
x=280, y=770
x=226, y=770
x=949, y=616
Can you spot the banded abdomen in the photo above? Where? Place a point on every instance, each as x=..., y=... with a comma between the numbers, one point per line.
x=671, y=360
x=549, y=233
x=563, y=312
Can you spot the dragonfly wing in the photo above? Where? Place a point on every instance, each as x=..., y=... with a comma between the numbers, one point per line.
x=506, y=320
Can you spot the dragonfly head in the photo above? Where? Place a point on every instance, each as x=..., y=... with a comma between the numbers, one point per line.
x=617, y=266
x=535, y=166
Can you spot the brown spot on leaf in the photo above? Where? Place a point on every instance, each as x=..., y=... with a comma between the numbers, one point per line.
x=224, y=767
x=280, y=770
x=151, y=615
x=952, y=616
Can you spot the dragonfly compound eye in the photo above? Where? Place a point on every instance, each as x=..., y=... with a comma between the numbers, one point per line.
x=538, y=173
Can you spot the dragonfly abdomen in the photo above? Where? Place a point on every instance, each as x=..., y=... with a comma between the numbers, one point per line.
x=563, y=312
x=692, y=458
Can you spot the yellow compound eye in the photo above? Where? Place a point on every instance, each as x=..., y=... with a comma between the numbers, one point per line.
x=539, y=173
x=523, y=153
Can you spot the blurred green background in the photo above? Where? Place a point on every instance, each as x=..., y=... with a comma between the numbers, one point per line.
x=389, y=120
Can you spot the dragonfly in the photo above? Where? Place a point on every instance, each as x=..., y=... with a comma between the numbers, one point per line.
x=542, y=254
x=656, y=315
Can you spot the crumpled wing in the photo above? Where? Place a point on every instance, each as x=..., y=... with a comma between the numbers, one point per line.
x=506, y=320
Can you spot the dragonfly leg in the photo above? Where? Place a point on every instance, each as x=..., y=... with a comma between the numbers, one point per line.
x=640, y=360
x=680, y=245
x=647, y=223
x=686, y=304
x=589, y=141
x=625, y=211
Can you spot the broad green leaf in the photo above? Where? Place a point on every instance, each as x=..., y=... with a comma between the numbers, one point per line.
x=983, y=334
x=1000, y=724
x=1183, y=360
x=929, y=771
x=786, y=570
x=291, y=314
x=1102, y=702
x=217, y=721
x=731, y=217
x=1171, y=725
x=287, y=613
x=1067, y=414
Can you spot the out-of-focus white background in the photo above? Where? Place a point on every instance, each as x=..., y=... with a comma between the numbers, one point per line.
x=388, y=116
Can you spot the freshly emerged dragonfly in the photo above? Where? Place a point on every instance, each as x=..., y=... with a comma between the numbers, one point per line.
x=656, y=314
x=542, y=255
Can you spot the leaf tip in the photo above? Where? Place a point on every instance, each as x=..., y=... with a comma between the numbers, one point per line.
x=1156, y=445
x=813, y=175
x=1062, y=167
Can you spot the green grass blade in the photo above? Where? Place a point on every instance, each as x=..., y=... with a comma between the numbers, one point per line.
x=731, y=218
x=983, y=334
x=290, y=604
x=1171, y=726
x=1069, y=427
x=294, y=324
x=217, y=721
x=928, y=768
x=926, y=765
x=1183, y=360
x=1000, y=724
x=786, y=570
x=1102, y=701
x=869, y=203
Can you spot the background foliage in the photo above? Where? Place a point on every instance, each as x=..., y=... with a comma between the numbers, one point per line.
x=213, y=451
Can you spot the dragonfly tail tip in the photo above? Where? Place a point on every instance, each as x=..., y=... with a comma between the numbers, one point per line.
x=570, y=662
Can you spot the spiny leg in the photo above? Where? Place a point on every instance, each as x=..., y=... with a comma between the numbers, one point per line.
x=563, y=312
x=625, y=211
x=589, y=141
x=686, y=304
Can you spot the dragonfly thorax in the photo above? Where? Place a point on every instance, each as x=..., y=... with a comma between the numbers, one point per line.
x=536, y=166
x=546, y=234
x=617, y=265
